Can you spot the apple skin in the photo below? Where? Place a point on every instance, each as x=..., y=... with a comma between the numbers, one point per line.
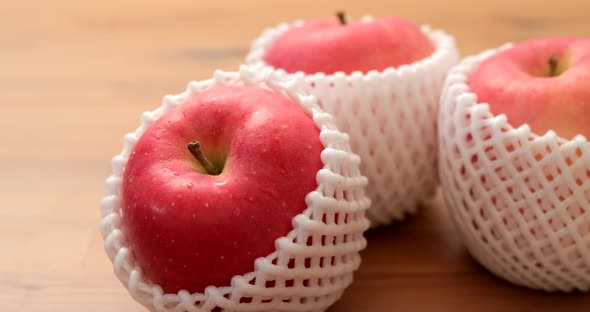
x=516, y=82
x=326, y=46
x=188, y=229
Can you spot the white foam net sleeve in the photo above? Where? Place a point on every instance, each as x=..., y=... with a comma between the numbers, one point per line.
x=520, y=201
x=390, y=116
x=299, y=275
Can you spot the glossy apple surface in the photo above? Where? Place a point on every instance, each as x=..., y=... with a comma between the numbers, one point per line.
x=189, y=229
x=328, y=46
x=544, y=83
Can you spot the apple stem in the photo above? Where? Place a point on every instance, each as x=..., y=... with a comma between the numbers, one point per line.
x=341, y=17
x=552, y=66
x=195, y=148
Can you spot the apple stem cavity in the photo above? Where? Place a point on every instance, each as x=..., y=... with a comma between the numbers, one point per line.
x=553, y=66
x=341, y=17
x=195, y=148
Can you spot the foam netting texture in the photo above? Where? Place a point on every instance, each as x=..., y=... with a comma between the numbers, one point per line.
x=390, y=116
x=520, y=201
x=311, y=266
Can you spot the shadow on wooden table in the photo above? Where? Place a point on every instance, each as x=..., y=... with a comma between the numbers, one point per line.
x=420, y=265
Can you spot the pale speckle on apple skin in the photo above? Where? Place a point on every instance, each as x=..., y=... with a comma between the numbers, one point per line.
x=173, y=204
x=194, y=216
x=172, y=241
x=222, y=257
x=309, y=146
x=235, y=243
x=207, y=205
x=251, y=199
x=189, y=185
x=284, y=126
x=284, y=204
x=283, y=171
x=170, y=260
x=153, y=217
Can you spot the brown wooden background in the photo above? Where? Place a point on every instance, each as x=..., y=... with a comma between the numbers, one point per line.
x=75, y=76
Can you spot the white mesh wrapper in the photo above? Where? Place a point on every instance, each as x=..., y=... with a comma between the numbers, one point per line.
x=334, y=222
x=390, y=116
x=520, y=201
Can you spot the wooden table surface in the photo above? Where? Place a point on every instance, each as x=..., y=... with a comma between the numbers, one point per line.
x=75, y=76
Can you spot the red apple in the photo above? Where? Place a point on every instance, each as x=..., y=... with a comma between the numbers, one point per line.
x=327, y=58
x=197, y=216
x=520, y=202
x=544, y=83
x=329, y=45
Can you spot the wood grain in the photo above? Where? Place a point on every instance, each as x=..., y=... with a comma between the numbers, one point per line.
x=75, y=76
